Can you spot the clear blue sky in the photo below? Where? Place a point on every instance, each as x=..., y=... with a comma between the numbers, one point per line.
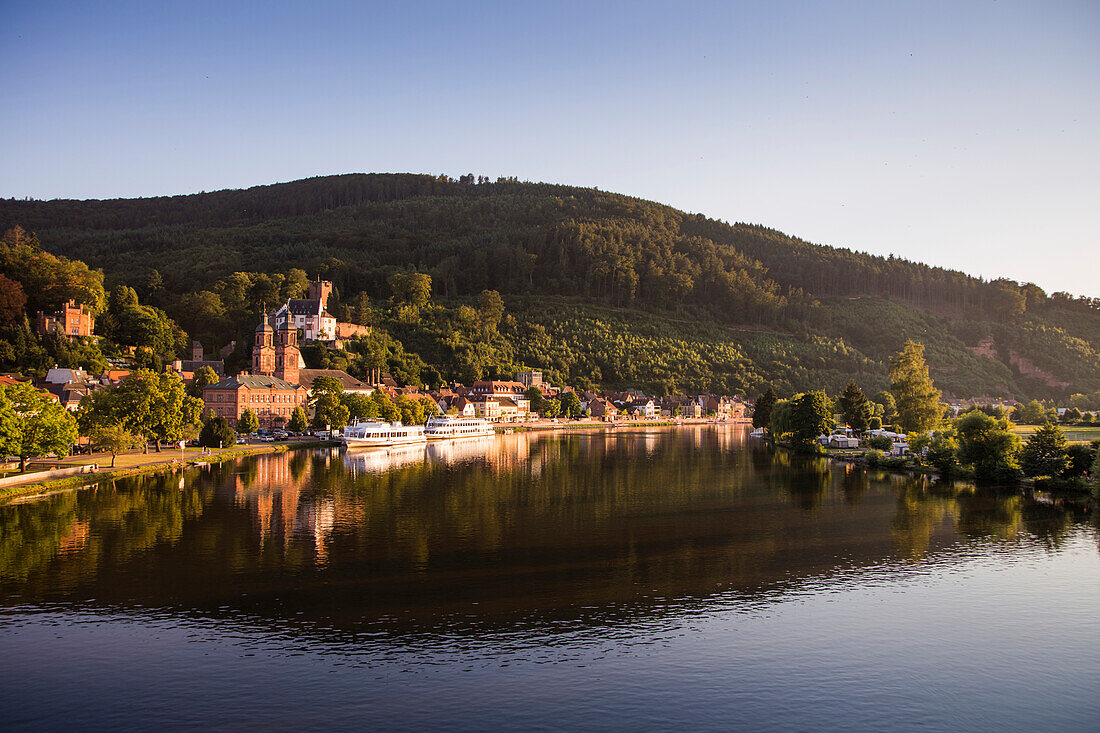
x=958, y=134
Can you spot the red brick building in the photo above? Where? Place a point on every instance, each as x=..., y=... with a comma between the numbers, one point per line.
x=272, y=390
x=272, y=399
x=73, y=320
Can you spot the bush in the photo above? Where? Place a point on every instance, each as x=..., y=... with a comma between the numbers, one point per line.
x=216, y=433
x=880, y=442
x=874, y=457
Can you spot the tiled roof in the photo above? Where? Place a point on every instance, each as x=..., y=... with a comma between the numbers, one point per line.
x=301, y=307
x=252, y=381
x=350, y=383
x=193, y=366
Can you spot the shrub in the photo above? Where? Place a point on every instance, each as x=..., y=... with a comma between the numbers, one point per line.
x=880, y=442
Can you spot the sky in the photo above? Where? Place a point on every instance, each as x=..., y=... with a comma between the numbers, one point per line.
x=960, y=134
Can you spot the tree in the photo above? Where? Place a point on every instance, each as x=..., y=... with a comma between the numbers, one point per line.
x=1044, y=453
x=248, y=422
x=875, y=423
x=297, y=422
x=295, y=284
x=13, y=300
x=216, y=433
x=204, y=377
x=534, y=397
x=570, y=404
x=329, y=412
x=113, y=438
x=1094, y=475
x=987, y=444
x=1033, y=413
x=412, y=290
x=10, y=438
x=1071, y=416
x=779, y=423
x=762, y=410
x=551, y=408
x=809, y=419
x=855, y=407
x=490, y=309
x=174, y=412
x=943, y=451
x=41, y=425
x=918, y=400
x=1080, y=458
x=326, y=385
x=889, y=412
x=364, y=313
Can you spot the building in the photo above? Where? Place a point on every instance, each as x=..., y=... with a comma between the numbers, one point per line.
x=275, y=352
x=197, y=361
x=530, y=378
x=513, y=392
x=272, y=399
x=487, y=408
x=601, y=408
x=348, y=382
x=309, y=314
x=74, y=320
x=272, y=391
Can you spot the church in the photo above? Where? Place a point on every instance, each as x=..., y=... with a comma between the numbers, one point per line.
x=272, y=390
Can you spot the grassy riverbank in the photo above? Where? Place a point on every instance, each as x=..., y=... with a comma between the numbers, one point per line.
x=1074, y=433
x=139, y=464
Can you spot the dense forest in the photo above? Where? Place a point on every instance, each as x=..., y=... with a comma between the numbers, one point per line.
x=598, y=288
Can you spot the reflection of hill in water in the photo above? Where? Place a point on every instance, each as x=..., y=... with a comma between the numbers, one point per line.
x=524, y=526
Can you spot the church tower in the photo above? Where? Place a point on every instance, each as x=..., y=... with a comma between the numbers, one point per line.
x=263, y=350
x=286, y=352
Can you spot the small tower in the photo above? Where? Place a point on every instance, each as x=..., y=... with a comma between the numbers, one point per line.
x=263, y=349
x=320, y=290
x=197, y=353
x=287, y=352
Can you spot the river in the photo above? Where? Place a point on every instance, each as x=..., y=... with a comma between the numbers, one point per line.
x=634, y=579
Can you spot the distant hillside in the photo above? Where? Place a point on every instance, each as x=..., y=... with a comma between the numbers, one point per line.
x=792, y=312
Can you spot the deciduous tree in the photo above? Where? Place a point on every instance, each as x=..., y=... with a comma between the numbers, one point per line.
x=297, y=422
x=42, y=426
x=762, y=410
x=248, y=422
x=986, y=444
x=918, y=400
x=113, y=438
x=809, y=419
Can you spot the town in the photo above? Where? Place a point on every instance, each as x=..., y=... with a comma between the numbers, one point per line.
x=194, y=400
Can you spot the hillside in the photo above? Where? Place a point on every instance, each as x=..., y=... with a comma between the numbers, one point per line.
x=625, y=291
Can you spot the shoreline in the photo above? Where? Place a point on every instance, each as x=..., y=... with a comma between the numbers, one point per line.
x=166, y=465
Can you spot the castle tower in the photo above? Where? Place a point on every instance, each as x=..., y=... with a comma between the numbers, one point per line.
x=320, y=290
x=263, y=349
x=196, y=351
x=287, y=352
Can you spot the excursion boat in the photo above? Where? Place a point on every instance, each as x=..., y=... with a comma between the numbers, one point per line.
x=449, y=427
x=382, y=434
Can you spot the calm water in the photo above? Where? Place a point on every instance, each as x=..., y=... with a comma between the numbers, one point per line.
x=634, y=580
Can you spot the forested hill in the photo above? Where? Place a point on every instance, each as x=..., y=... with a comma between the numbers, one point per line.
x=650, y=264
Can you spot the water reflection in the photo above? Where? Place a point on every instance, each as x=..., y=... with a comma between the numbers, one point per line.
x=524, y=526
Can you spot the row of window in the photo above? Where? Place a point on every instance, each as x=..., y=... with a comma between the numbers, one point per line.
x=220, y=397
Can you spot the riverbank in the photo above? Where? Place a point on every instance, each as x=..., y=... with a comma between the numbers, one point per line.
x=536, y=425
x=140, y=464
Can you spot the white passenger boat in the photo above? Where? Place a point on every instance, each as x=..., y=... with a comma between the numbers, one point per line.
x=449, y=427
x=382, y=434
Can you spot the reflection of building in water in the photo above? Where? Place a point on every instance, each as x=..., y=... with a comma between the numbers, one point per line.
x=458, y=451
x=273, y=496
x=377, y=460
